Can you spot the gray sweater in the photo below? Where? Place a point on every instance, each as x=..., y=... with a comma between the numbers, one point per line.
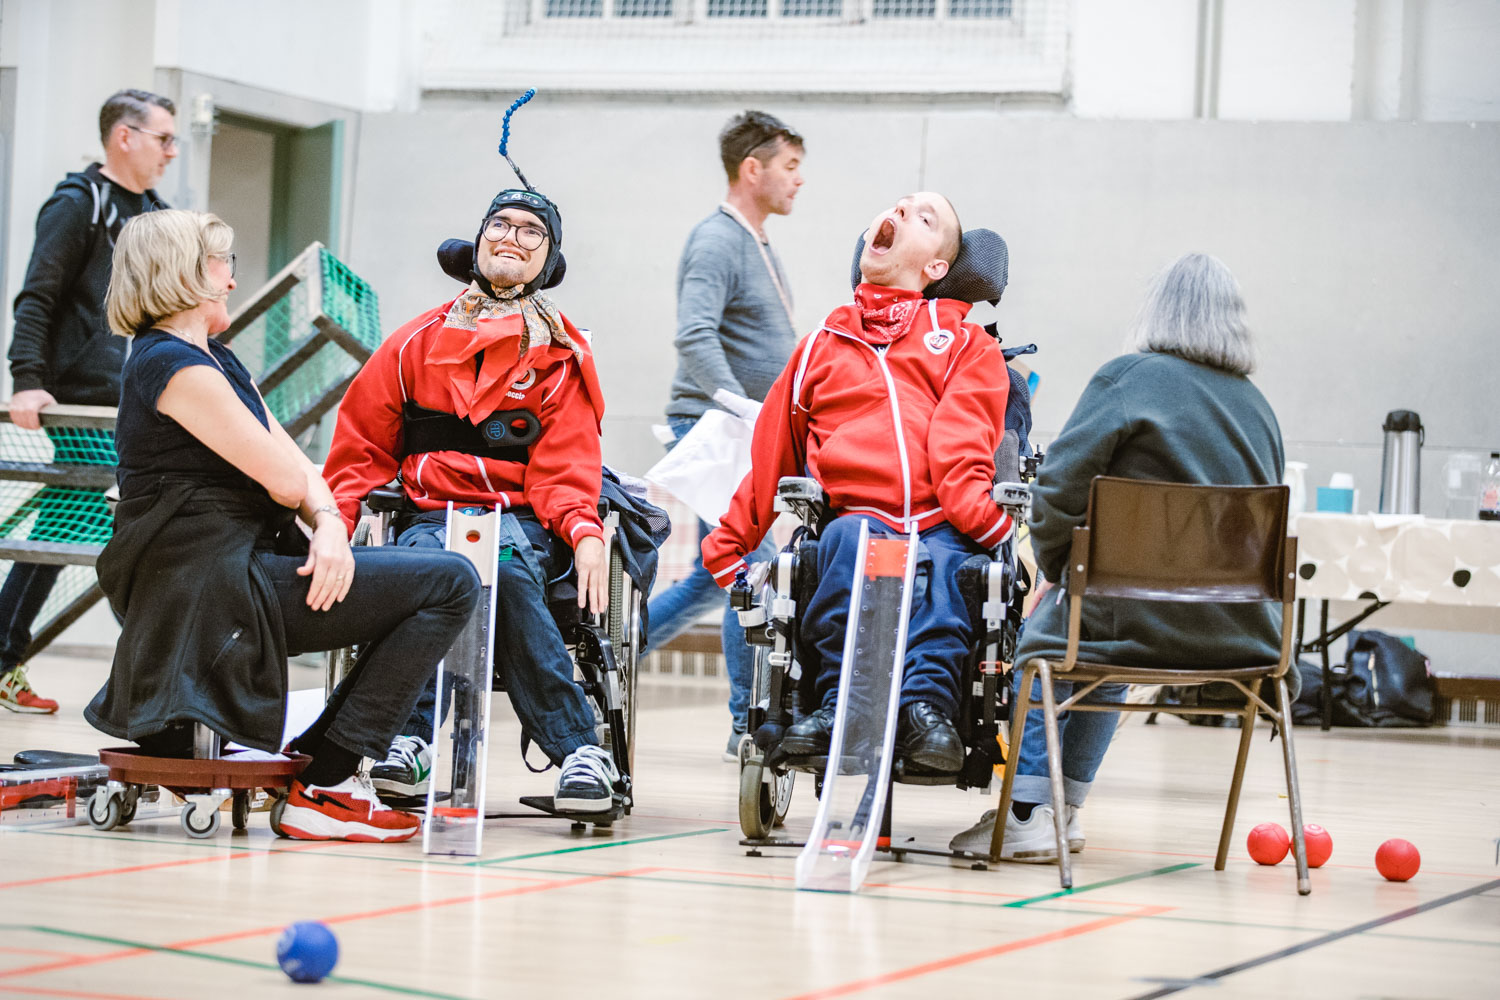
x=732, y=330
x=1153, y=416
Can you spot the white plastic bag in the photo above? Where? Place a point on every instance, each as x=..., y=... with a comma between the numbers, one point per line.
x=707, y=465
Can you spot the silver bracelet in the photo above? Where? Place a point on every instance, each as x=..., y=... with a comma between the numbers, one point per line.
x=327, y=508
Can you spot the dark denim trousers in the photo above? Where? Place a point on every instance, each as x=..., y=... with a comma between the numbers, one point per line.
x=939, y=635
x=529, y=653
x=403, y=609
x=26, y=589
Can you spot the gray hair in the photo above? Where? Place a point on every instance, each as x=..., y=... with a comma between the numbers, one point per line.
x=130, y=107
x=1194, y=310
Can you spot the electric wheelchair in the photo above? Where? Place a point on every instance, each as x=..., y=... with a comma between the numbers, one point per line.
x=994, y=586
x=604, y=647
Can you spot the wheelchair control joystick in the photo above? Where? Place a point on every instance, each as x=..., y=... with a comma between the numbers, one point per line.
x=741, y=596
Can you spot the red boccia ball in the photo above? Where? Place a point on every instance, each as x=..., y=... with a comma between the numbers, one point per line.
x=1268, y=843
x=1319, y=845
x=1397, y=859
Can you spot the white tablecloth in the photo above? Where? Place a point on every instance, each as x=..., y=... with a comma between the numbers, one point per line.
x=1398, y=557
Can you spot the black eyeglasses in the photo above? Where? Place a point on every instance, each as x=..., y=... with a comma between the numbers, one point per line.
x=167, y=139
x=228, y=257
x=530, y=237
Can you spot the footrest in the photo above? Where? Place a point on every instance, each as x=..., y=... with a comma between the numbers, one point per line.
x=543, y=803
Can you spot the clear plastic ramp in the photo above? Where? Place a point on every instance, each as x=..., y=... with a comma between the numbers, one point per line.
x=847, y=827
x=455, y=799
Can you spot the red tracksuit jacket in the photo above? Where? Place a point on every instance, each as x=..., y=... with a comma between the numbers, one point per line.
x=906, y=434
x=433, y=365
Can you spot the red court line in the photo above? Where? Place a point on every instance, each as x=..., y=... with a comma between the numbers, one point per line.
x=228, y=856
x=77, y=994
x=339, y=919
x=472, y=873
x=37, y=951
x=942, y=890
x=925, y=968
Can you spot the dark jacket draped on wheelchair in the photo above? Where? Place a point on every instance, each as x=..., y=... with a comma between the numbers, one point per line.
x=202, y=638
x=1158, y=417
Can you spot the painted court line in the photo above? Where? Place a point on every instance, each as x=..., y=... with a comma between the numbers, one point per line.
x=74, y=876
x=599, y=846
x=953, y=961
x=76, y=994
x=221, y=959
x=1323, y=939
x=186, y=947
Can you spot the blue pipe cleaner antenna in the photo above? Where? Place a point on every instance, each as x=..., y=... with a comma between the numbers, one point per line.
x=505, y=135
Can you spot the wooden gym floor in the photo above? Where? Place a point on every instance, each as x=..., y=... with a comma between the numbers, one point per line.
x=668, y=905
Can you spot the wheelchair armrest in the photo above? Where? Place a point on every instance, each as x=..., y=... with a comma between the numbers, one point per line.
x=802, y=497
x=387, y=499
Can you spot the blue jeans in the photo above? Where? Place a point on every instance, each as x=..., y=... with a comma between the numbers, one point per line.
x=529, y=653
x=1084, y=736
x=26, y=589
x=939, y=635
x=673, y=610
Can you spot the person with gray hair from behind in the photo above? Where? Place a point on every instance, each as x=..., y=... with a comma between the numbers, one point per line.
x=61, y=350
x=734, y=332
x=1179, y=408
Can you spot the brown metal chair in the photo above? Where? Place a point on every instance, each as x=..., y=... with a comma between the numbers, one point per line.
x=1154, y=541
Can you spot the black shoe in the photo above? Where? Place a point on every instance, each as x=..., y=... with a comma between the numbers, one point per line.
x=927, y=740
x=809, y=736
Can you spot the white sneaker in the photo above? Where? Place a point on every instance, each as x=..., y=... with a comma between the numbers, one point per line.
x=1034, y=841
x=585, y=782
x=1075, y=831
x=406, y=770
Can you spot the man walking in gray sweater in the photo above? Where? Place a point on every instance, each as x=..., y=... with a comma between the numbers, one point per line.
x=734, y=331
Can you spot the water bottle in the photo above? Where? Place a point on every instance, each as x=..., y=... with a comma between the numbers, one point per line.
x=1489, y=490
x=1461, y=474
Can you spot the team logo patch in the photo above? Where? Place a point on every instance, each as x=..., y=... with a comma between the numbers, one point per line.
x=525, y=381
x=937, y=341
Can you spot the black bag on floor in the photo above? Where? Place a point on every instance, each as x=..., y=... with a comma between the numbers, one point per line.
x=1384, y=684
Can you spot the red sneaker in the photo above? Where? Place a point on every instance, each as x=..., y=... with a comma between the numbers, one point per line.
x=346, y=811
x=16, y=694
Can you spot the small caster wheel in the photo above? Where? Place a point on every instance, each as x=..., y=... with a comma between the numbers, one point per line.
x=278, y=806
x=240, y=810
x=104, y=810
x=127, y=808
x=199, y=823
x=756, y=810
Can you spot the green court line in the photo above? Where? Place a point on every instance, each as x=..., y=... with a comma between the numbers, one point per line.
x=596, y=847
x=1107, y=882
x=223, y=959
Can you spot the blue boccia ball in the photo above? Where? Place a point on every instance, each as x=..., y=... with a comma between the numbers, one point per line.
x=307, y=951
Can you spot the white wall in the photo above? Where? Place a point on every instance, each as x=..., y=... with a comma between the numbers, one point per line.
x=344, y=52
x=1289, y=60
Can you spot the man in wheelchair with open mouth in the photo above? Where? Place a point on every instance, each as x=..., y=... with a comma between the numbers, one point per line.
x=492, y=400
x=895, y=406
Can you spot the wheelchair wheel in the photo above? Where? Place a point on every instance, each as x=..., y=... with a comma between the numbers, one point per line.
x=757, y=810
x=624, y=625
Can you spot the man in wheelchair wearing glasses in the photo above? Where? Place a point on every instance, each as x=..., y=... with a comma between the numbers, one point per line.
x=442, y=403
x=895, y=406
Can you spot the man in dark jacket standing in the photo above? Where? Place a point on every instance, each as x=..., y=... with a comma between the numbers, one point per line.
x=61, y=350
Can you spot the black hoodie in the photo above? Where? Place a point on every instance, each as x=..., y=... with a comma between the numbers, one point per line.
x=61, y=340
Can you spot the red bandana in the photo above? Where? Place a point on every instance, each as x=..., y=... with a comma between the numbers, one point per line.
x=886, y=313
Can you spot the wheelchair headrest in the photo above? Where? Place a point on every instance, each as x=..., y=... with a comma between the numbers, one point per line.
x=978, y=275
x=456, y=258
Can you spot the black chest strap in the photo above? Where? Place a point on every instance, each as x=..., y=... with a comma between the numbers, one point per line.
x=505, y=435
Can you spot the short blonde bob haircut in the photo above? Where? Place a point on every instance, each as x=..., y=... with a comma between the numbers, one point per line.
x=161, y=267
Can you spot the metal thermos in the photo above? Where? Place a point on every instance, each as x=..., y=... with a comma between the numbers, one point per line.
x=1401, y=464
